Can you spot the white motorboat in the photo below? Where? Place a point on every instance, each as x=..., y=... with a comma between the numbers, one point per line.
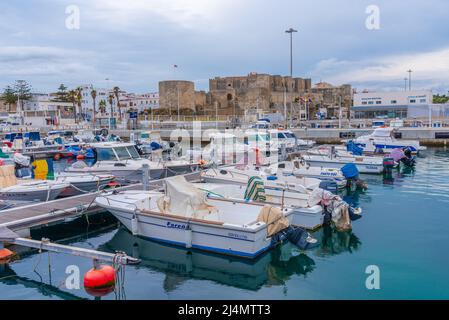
x=183, y=216
x=82, y=183
x=383, y=139
x=124, y=162
x=272, y=178
x=147, y=140
x=304, y=215
x=329, y=158
x=300, y=168
x=24, y=190
x=224, y=148
x=288, y=140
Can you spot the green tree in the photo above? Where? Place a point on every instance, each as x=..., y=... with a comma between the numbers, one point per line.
x=62, y=94
x=72, y=95
x=102, y=106
x=79, y=99
x=111, y=102
x=23, y=92
x=9, y=97
x=440, y=98
x=93, y=94
x=117, y=98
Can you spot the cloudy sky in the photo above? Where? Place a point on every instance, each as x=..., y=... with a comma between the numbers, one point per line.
x=135, y=43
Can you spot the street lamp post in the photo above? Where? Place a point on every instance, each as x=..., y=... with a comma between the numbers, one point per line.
x=410, y=80
x=291, y=31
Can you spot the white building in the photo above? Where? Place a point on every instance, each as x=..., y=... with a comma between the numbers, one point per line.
x=87, y=102
x=142, y=102
x=393, y=104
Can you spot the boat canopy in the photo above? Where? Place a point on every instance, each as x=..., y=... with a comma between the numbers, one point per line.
x=383, y=132
x=184, y=199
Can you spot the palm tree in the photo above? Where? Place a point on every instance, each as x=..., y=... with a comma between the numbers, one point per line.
x=116, y=94
x=93, y=94
x=111, y=102
x=102, y=106
x=72, y=94
x=79, y=98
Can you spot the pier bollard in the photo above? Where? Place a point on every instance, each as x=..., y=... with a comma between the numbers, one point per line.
x=146, y=177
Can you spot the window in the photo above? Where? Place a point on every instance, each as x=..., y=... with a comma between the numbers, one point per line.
x=371, y=102
x=105, y=154
x=364, y=102
x=422, y=100
x=378, y=102
x=122, y=153
x=412, y=101
x=394, y=101
x=133, y=152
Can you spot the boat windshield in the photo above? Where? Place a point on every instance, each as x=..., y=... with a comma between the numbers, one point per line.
x=145, y=136
x=127, y=153
x=290, y=135
x=259, y=137
x=123, y=153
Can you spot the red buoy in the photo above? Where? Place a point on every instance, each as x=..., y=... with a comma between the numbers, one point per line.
x=80, y=157
x=70, y=154
x=57, y=157
x=101, y=278
x=98, y=293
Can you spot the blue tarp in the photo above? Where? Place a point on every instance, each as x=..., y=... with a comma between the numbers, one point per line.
x=350, y=171
x=352, y=147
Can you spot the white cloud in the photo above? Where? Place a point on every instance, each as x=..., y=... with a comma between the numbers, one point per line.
x=188, y=14
x=432, y=67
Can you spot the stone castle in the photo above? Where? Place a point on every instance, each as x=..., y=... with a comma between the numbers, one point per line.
x=252, y=93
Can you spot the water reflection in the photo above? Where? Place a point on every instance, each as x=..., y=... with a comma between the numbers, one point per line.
x=9, y=277
x=272, y=269
x=334, y=243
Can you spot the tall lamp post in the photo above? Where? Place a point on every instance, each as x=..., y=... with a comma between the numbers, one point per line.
x=291, y=31
x=410, y=80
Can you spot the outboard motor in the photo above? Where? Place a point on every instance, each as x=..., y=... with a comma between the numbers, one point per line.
x=408, y=160
x=388, y=163
x=351, y=173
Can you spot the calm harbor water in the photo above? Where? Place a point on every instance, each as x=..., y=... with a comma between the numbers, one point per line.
x=404, y=231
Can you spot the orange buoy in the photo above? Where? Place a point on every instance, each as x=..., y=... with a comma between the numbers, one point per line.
x=6, y=254
x=80, y=157
x=101, y=278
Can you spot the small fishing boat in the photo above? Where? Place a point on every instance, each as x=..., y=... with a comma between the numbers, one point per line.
x=383, y=139
x=13, y=189
x=287, y=139
x=304, y=215
x=82, y=183
x=149, y=141
x=183, y=216
x=330, y=158
x=300, y=168
x=240, y=174
x=124, y=162
x=226, y=149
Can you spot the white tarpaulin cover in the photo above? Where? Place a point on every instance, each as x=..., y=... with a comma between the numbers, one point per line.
x=184, y=199
x=383, y=132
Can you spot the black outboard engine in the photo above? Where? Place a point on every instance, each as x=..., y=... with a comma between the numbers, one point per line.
x=409, y=160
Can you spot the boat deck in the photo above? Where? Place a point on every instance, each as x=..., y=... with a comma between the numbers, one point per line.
x=59, y=210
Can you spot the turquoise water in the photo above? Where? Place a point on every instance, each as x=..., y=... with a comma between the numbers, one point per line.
x=404, y=231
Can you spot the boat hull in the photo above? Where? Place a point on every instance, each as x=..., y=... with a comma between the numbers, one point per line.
x=31, y=195
x=363, y=168
x=217, y=239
